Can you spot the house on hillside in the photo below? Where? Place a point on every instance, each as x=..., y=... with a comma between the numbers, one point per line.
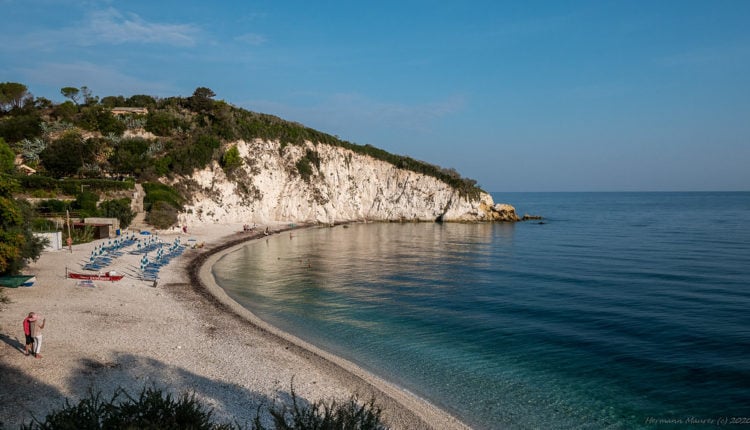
x=129, y=111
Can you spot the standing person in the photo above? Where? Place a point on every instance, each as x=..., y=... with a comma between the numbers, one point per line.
x=36, y=332
x=27, y=332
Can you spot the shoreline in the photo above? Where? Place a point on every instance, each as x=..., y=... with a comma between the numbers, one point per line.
x=185, y=335
x=399, y=405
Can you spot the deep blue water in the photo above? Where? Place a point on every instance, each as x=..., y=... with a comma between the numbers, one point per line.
x=622, y=310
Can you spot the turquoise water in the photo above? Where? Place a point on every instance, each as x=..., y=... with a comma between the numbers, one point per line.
x=622, y=310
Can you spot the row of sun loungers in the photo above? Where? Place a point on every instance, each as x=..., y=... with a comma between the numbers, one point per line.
x=150, y=268
x=105, y=254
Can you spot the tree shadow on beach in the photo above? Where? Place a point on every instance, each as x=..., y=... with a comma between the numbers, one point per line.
x=20, y=394
x=24, y=397
x=230, y=402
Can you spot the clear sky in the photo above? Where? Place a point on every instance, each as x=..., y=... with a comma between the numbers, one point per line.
x=520, y=95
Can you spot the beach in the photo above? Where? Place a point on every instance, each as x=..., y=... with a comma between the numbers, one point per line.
x=182, y=335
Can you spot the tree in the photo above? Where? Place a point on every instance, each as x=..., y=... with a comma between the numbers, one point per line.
x=66, y=155
x=15, y=128
x=13, y=95
x=120, y=209
x=98, y=118
x=43, y=103
x=65, y=111
x=88, y=98
x=71, y=93
x=161, y=123
x=17, y=244
x=201, y=100
x=140, y=100
x=131, y=156
x=7, y=157
x=113, y=101
x=203, y=92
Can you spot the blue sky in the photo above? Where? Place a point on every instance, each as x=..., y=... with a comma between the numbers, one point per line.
x=522, y=95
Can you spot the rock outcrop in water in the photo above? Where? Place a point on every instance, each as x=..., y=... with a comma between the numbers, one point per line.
x=285, y=183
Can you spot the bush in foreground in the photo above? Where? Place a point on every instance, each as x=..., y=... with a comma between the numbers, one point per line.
x=326, y=415
x=153, y=409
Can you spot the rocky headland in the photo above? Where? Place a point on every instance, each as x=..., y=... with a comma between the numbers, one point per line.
x=342, y=186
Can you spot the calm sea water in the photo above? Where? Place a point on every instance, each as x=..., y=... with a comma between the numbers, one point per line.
x=622, y=310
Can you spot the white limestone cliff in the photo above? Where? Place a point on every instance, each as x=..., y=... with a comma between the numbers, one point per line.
x=345, y=187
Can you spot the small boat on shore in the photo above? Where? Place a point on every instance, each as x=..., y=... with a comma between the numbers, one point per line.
x=15, y=281
x=109, y=276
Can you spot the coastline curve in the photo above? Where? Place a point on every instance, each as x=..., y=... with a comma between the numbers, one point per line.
x=401, y=409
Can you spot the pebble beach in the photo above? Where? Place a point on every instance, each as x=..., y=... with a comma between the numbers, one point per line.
x=182, y=334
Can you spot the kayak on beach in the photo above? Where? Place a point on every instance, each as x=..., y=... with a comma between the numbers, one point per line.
x=109, y=276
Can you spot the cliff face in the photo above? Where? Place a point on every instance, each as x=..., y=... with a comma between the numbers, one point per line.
x=343, y=186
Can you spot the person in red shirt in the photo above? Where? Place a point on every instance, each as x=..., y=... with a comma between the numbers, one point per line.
x=36, y=332
x=27, y=332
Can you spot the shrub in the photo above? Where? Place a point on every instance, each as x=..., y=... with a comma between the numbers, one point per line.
x=42, y=225
x=118, y=208
x=7, y=157
x=304, y=168
x=98, y=118
x=17, y=244
x=65, y=111
x=130, y=156
x=18, y=127
x=327, y=415
x=66, y=155
x=156, y=192
x=161, y=165
x=85, y=203
x=162, y=123
x=162, y=215
x=83, y=235
x=231, y=159
x=153, y=409
x=193, y=154
x=314, y=157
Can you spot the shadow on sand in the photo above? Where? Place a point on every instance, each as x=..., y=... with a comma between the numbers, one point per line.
x=23, y=397
x=12, y=341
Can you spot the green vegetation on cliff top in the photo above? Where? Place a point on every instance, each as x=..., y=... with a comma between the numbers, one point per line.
x=83, y=137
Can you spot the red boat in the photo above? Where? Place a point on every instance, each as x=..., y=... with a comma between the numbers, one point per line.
x=109, y=276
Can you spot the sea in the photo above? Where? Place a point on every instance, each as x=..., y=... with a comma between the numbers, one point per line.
x=615, y=311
